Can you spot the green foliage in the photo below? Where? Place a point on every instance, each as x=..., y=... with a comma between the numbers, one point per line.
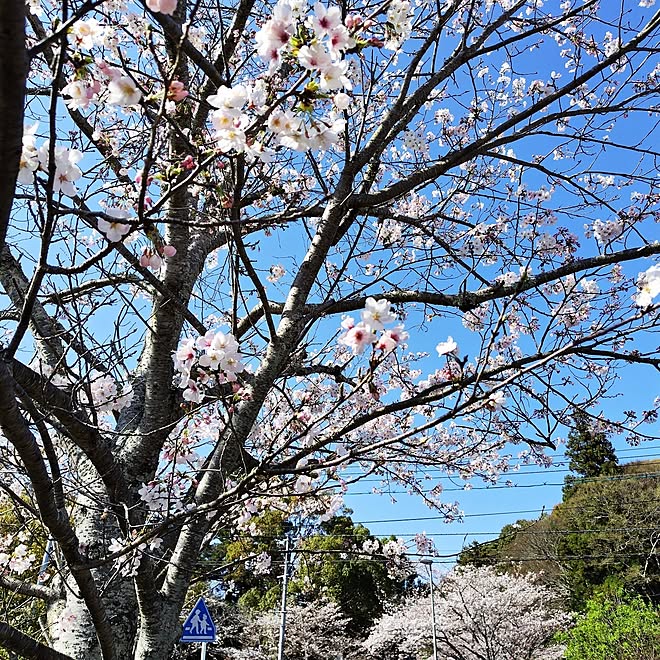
x=607, y=529
x=489, y=553
x=324, y=567
x=590, y=452
x=615, y=627
x=359, y=586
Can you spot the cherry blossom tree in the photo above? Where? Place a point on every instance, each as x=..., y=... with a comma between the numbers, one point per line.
x=480, y=615
x=232, y=235
x=315, y=631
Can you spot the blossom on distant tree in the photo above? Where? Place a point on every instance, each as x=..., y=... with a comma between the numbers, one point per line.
x=478, y=612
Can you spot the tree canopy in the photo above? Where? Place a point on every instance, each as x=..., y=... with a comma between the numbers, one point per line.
x=252, y=252
x=589, y=450
x=335, y=561
x=603, y=534
x=615, y=627
x=480, y=615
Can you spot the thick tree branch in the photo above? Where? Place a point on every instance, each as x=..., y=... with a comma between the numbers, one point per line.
x=13, y=74
x=464, y=301
x=28, y=589
x=17, y=431
x=48, y=332
x=78, y=428
x=16, y=641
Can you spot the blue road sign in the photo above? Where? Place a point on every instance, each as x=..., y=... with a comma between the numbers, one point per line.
x=199, y=626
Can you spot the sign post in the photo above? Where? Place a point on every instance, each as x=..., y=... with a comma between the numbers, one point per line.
x=199, y=628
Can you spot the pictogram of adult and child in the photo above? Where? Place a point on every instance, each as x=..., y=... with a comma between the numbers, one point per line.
x=198, y=624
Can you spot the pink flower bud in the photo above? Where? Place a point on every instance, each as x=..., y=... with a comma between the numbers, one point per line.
x=144, y=260
x=177, y=91
x=169, y=250
x=188, y=163
x=110, y=72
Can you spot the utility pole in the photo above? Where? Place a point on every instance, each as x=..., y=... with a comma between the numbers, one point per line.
x=285, y=584
x=428, y=562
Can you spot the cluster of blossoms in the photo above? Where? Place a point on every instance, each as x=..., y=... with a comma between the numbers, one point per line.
x=129, y=564
x=115, y=230
x=211, y=359
x=375, y=316
x=33, y=159
x=391, y=549
x=321, y=55
x=165, y=496
x=153, y=257
x=105, y=395
x=180, y=448
x=259, y=565
x=106, y=82
x=649, y=286
x=315, y=44
x=88, y=33
x=17, y=560
x=86, y=88
x=608, y=231
x=231, y=124
x=424, y=545
x=399, y=23
x=322, y=506
x=120, y=89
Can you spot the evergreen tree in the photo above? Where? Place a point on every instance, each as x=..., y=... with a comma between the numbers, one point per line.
x=590, y=452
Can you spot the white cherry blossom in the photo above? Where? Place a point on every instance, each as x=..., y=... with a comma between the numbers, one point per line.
x=648, y=283
x=377, y=314
x=447, y=347
x=123, y=91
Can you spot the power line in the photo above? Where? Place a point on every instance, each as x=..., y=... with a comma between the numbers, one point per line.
x=482, y=514
x=485, y=514
x=547, y=532
x=547, y=470
x=350, y=555
x=564, y=461
x=467, y=488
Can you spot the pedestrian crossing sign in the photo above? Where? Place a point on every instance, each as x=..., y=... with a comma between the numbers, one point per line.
x=199, y=626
